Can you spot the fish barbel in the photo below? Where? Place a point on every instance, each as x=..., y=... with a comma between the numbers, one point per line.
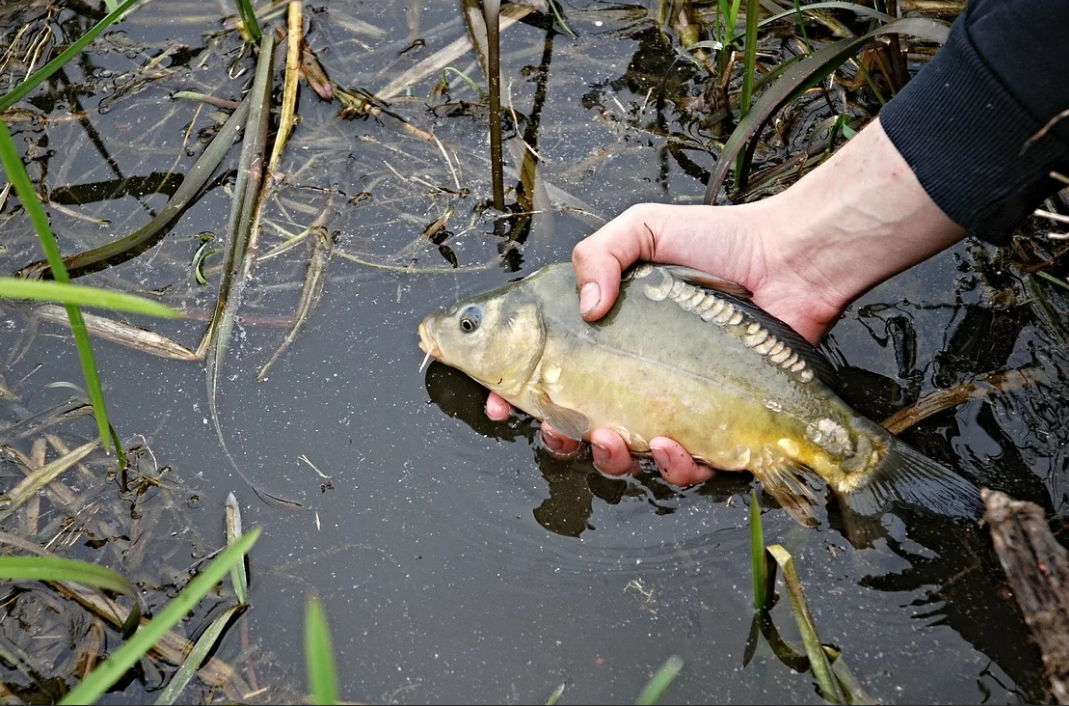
x=676, y=357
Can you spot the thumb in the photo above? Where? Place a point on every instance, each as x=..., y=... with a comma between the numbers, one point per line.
x=600, y=259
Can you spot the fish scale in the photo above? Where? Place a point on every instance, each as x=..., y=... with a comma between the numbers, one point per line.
x=693, y=299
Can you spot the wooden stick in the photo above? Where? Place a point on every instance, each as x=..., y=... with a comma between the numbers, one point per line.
x=1037, y=567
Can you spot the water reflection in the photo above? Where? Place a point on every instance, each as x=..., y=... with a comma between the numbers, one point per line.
x=573, y=484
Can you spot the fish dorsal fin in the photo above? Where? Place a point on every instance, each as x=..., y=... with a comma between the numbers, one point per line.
x=777, y=342
x=698, y=278
x=788, y=482
x=708, y=281
x=569, y=422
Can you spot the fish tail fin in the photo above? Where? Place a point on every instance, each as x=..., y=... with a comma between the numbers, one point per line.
x=906, y=476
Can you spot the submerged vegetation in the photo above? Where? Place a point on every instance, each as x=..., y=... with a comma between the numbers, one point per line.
x=743, y=97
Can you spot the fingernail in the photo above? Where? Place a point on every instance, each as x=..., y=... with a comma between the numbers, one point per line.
x=600, y=453
x=661, y=458
x=553, y=442
x=589, y=296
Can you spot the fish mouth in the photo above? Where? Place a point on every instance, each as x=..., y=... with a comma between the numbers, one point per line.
x=428, y=345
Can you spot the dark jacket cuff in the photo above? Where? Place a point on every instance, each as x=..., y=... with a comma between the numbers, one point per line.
x=967, y=139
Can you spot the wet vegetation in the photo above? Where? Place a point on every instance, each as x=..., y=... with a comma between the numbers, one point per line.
x=295, y=186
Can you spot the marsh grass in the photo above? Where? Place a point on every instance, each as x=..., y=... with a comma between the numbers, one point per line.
x=79, y=295
x=796, y=80
x=492, y=19
x=836, y=683
x=46, y=71
x=659, y=683
x=205, y=644
x=112, y=669
x=51, y=568
x=764, y=571
x=319, y=654
x=248, y=19
x=830, y=689
x=16, y=173
x=71, y=299
x=749, y=67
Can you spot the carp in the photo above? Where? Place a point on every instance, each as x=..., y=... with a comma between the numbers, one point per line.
x=681, y=356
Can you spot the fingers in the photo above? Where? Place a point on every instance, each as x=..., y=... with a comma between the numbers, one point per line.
x=676, y=465
x=497, y=408
x=600, y=259
x=557, y=443
x=611, y=455
x=610, y=452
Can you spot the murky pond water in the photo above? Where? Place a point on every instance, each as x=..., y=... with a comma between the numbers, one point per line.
x=457, y=560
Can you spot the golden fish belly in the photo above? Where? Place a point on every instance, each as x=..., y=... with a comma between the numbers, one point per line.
x=643, y=399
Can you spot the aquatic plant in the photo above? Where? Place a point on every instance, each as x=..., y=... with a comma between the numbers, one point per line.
x=837, y=685
x=319, y=654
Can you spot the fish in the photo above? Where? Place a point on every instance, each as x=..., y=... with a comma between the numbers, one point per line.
x=684, y=355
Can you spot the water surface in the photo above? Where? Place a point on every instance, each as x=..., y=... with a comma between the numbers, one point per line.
x=456, y=559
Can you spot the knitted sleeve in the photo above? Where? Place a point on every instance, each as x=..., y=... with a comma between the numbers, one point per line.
x=966, y=122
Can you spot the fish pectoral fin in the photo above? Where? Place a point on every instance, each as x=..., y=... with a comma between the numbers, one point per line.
x=789, y=483
x=572, y=424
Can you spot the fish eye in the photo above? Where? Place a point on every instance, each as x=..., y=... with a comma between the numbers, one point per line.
x=470, y=319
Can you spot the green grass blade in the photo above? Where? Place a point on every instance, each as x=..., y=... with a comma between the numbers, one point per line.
x=659, y=683
x=319, y=654
x=855, y=693
x=196, y=656
x=50, y=568
x=803, y=75
x=818, y=659
x=92, y=377
x=560, y=19
x=764, y=573
x=42, y=74
x=16, y=174
x=749, y=68
x=467, y=79
x=749, y=57
x=112, y=669
x=725, y=29
x=801, y=25
x=79, y=295
x=1052, y=279
x=248, y=18
x=732, y=20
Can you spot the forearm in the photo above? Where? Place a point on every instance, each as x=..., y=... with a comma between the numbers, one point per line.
x=859, y=219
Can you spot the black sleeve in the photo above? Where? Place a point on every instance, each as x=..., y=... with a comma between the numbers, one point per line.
x=964, y=122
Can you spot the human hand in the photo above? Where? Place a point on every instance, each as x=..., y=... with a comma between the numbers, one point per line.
x=805, y=253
